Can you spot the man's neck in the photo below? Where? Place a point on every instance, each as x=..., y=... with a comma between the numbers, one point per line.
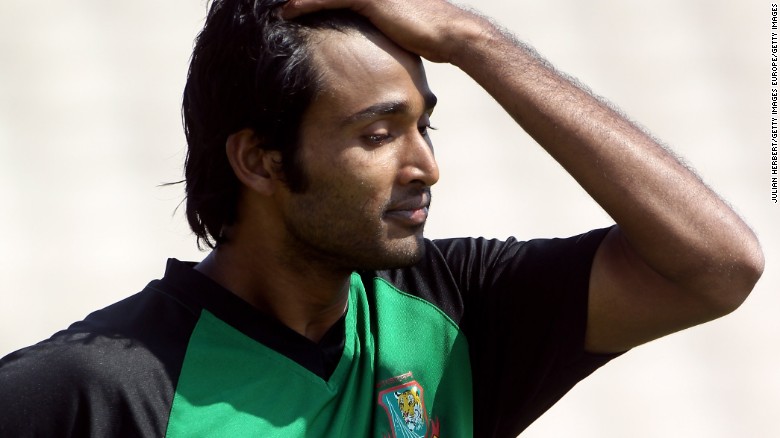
x=305, y=297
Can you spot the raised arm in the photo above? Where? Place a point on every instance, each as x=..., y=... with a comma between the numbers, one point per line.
x=679, y=255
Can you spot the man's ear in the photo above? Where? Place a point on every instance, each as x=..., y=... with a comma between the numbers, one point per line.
x=257, y=168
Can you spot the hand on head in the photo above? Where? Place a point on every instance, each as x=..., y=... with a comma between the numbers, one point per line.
x=433, y=29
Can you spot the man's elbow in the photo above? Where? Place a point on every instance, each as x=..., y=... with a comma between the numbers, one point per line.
x=738, y=280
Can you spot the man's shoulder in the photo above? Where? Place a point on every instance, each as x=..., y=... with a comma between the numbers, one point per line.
x=454, y=269
x=97, y=372
x=119, y=337
x=469, y=253
x=81, y=383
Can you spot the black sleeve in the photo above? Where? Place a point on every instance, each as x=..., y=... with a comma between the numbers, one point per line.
x=112, y=374
x=525, y=311
x=69, y=386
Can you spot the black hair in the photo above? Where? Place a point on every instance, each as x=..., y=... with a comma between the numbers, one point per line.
x=249, y=69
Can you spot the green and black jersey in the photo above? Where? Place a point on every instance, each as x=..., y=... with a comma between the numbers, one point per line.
x=478, y=339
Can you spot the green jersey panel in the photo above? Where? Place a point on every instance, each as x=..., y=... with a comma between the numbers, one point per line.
x=411, y=378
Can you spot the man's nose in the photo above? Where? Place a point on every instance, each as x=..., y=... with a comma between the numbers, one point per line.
x=419, y=163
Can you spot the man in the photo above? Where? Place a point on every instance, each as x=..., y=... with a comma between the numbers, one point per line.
x=322, y=310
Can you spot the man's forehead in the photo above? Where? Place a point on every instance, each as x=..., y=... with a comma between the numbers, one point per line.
x=349, y=52
x=370, y=68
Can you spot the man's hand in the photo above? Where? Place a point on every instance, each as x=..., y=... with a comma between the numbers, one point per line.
x=433, y=29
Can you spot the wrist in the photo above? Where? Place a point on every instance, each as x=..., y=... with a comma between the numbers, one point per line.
x=471, y=40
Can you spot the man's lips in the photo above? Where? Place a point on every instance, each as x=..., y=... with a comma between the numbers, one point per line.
x=411, y=211
x=413, y=217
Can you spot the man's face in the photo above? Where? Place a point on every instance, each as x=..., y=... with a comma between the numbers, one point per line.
x=366, y=155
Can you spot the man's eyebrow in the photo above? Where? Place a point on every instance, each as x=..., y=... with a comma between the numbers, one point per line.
x=387, y=108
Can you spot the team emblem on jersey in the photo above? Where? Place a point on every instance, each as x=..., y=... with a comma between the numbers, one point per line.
x=405, y=407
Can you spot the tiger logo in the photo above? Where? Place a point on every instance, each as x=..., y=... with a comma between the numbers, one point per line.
x=405, y=407
x=411, y=408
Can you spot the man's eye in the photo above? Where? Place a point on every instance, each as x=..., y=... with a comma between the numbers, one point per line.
x=377, y=138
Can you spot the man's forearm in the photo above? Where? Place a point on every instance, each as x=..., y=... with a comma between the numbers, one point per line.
x=679, y=227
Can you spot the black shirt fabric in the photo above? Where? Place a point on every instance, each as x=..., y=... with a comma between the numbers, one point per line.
x=521, y=305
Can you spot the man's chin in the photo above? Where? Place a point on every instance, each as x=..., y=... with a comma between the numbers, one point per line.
x=399, y=255
x=412, y=253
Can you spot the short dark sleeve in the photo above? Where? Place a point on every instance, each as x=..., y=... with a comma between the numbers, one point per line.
x=525, y=311
x=73, y=385
x=112, y=374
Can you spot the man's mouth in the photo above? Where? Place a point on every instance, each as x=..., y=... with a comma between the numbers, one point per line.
x=411, y=211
